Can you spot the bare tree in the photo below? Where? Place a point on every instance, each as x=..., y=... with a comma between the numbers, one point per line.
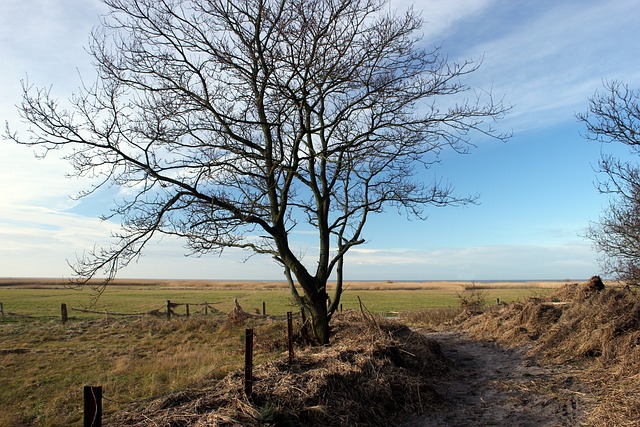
x=614, y=117
x=234, y=123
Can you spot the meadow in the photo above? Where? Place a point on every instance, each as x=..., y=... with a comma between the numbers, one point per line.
x=44, y=364
x=42, y=298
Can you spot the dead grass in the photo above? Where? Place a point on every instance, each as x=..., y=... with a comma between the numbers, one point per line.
x=45, y=365
x=431, y=318
x=595, y=332
x=455, y=286
x=374, y=373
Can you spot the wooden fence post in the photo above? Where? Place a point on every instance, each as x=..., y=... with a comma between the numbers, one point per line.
x=92, y=406
x=248, y=362
x=290, y=336
x=168, y=309
x=187, y=311
x=2, y=309
x=264, y=308
x=206, y=308
x=65, y=315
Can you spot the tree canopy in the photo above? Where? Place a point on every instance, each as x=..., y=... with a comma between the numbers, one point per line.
x=234, y=124
x=614, y=118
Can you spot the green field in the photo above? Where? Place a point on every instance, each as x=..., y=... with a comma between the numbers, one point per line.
x=21, y=303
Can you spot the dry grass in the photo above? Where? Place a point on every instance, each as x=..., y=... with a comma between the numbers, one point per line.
x=374, y=373
x=369, y=360
x=431, y=318
x=455, y=286
x=595, y=332
x=45, y=365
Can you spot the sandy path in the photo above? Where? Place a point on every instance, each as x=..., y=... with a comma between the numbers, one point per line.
x=494, y=386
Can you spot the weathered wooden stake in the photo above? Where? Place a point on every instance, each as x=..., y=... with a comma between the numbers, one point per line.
x=206, y=308
x=341, y=308
x=187, y=311
x=65, y=315
x=2, y=309
x=248, y=362
x=264, y=308
x=92, y=406
x=168, y=309
x=498, y=301
x=290, y=336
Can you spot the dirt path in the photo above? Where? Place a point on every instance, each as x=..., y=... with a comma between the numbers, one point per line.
x=494, y=386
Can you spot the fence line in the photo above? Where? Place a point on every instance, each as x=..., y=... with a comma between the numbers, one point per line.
x=167, y=310
x=93, y=395
x=248, y=362
x=109, y=313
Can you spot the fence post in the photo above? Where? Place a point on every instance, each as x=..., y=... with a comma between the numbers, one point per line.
x=264, y=308
x=92, y=406
x=2, y=309
x=206, y=308
x=290, y=336
x=248, y=362
x=187, y=311
x=168, y=309
x=65, y=316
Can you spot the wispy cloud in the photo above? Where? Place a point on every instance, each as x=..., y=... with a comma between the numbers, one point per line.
x=440, y=17
x=39, y=241
x=550, y=62
x=499, y=262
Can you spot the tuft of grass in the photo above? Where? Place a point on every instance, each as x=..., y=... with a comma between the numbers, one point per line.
x=432, y=318
x=473, y=299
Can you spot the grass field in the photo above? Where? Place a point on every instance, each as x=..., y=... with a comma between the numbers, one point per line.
x=40, y=298
x=45, y=364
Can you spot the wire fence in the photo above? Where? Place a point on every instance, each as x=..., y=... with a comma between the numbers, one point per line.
x=93, y=395
x=168, y=310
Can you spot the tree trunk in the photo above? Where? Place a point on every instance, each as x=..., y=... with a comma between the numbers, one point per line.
x=320, y=320
x=313, y=305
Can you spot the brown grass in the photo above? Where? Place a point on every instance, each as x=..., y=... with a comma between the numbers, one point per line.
x=258, y=285
x=595, y=332
x=45, y=365
x=374, y=373
x=369, y=360
x=431, y=318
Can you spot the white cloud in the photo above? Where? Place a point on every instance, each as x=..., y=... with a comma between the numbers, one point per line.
x=38, y=241
x=441, y=16
x=499, y=262
x=550, y=63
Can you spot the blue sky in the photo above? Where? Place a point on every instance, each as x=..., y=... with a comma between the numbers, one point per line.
x=546, y=58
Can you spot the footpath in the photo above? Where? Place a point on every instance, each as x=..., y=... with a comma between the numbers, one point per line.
x=489, y=385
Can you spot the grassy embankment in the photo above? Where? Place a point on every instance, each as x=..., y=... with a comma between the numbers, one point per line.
x=45, y=364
